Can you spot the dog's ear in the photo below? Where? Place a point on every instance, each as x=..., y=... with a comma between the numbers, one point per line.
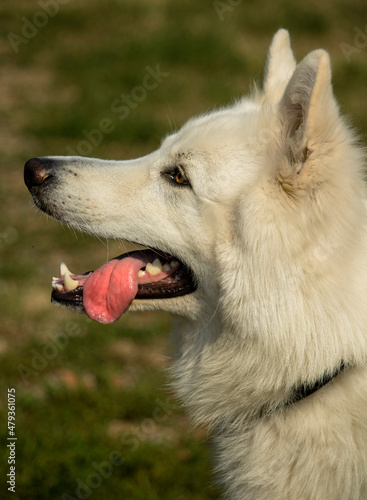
x=279, y=67
x=309, y=115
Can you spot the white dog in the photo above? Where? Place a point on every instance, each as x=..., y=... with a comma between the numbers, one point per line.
x=254, y=217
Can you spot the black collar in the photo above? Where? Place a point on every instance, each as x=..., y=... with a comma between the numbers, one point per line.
x=307, y=389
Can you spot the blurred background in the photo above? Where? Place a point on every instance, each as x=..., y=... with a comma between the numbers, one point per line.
x=95, y=417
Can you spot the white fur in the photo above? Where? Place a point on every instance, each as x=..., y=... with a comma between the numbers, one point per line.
x=274, y=230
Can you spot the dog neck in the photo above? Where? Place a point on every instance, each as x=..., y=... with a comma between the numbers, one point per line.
x=306, y=390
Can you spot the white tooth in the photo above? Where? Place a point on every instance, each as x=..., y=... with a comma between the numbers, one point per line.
x=64, y=269
x=157, y=263
x=57, y=287
x=173, y=263
x=166, y=267
x=154, y=268
x=69, y=283
x=141, y=273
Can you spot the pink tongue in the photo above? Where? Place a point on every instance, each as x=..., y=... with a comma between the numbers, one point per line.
x=109, y=290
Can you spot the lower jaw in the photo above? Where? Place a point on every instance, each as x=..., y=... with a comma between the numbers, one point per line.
x=178, y=284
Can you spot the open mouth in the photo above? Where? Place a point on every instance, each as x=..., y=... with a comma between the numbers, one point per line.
x=106, y=293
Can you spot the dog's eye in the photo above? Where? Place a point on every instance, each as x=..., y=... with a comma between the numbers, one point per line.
x=178, y=177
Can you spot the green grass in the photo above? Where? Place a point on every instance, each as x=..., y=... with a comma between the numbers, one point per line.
x=100, y=391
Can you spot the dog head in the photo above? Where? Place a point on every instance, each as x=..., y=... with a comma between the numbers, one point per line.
x=235, y=196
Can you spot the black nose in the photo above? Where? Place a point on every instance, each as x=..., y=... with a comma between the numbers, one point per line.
x=36, y=171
